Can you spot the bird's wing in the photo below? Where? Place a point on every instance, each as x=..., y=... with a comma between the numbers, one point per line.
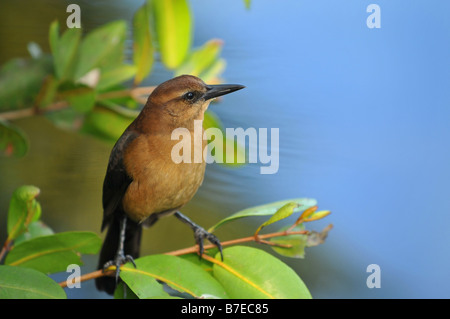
x=116, y=180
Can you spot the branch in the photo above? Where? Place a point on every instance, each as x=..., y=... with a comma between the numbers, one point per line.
x=5, y=249
x=14, y=115
x=259, y=239
x=189, y=250
x=139, y=94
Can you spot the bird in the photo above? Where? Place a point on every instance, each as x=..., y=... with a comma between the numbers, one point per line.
x=142, y=182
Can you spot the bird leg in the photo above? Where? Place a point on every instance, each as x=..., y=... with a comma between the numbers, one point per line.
x=120, y=257
x=200, y=234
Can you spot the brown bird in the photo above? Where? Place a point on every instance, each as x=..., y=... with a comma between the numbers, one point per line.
x=142, y=182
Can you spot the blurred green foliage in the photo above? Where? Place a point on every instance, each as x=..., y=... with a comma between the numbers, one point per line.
x=87, y=84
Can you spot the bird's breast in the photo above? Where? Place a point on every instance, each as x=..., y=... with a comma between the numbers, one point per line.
x=159, y=183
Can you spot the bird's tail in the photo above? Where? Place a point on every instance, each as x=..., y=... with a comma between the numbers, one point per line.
x=110, y=246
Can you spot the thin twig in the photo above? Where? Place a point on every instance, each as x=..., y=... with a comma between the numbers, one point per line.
x=5, y=249
x=14, y=115
x=139, y=94
x=89, y=276
x=194, y=249
x=189, y=250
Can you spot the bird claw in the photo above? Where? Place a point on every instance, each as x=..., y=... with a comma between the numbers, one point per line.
x=200, y=234
x=118, y=261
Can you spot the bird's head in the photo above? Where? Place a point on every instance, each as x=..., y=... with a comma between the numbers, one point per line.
x=185, y=98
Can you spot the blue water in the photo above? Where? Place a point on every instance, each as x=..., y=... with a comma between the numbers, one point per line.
x=364, y=127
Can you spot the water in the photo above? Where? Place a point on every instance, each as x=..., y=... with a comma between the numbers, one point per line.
x=363, y=117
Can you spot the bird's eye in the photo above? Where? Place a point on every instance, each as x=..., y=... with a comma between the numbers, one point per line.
x=189, y=96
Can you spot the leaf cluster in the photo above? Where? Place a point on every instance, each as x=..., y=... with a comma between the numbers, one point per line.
x=244, y=273
x=32, y=251
x=89, y=83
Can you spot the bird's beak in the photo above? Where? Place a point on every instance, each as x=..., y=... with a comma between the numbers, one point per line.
x=220, y=89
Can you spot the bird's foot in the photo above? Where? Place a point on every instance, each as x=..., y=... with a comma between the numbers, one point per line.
x=200, y=234
x=118, y=261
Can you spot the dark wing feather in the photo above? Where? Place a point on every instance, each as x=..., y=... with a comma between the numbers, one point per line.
x=116, y=180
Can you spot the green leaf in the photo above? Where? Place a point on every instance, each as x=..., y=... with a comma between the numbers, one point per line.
x=247, y=3
x=201, y=59
x=102, y=48
x=53, y=36
x=211, y=120
x=267, y=209
x=24, y=283
x=212, y=74
x=164, y=297
x=250, y=273
x=226, y=151
x=142, y=43
x=317, y=215
x=81, y=98
x=12, y=140
x=141, y=285
x=115, y=76
x=34, y=229
x=176, y=272
x=172, y=21
x=67, y=119
x=306, y=213
x=23, y=210
x=203, y=263
x=21, y=81
x=127, y=111
x=65, y=54
x=53, y=253
x=124, y=292
x=284, y=212
x=105, y=124
x=297, y=243
x=48, y=91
